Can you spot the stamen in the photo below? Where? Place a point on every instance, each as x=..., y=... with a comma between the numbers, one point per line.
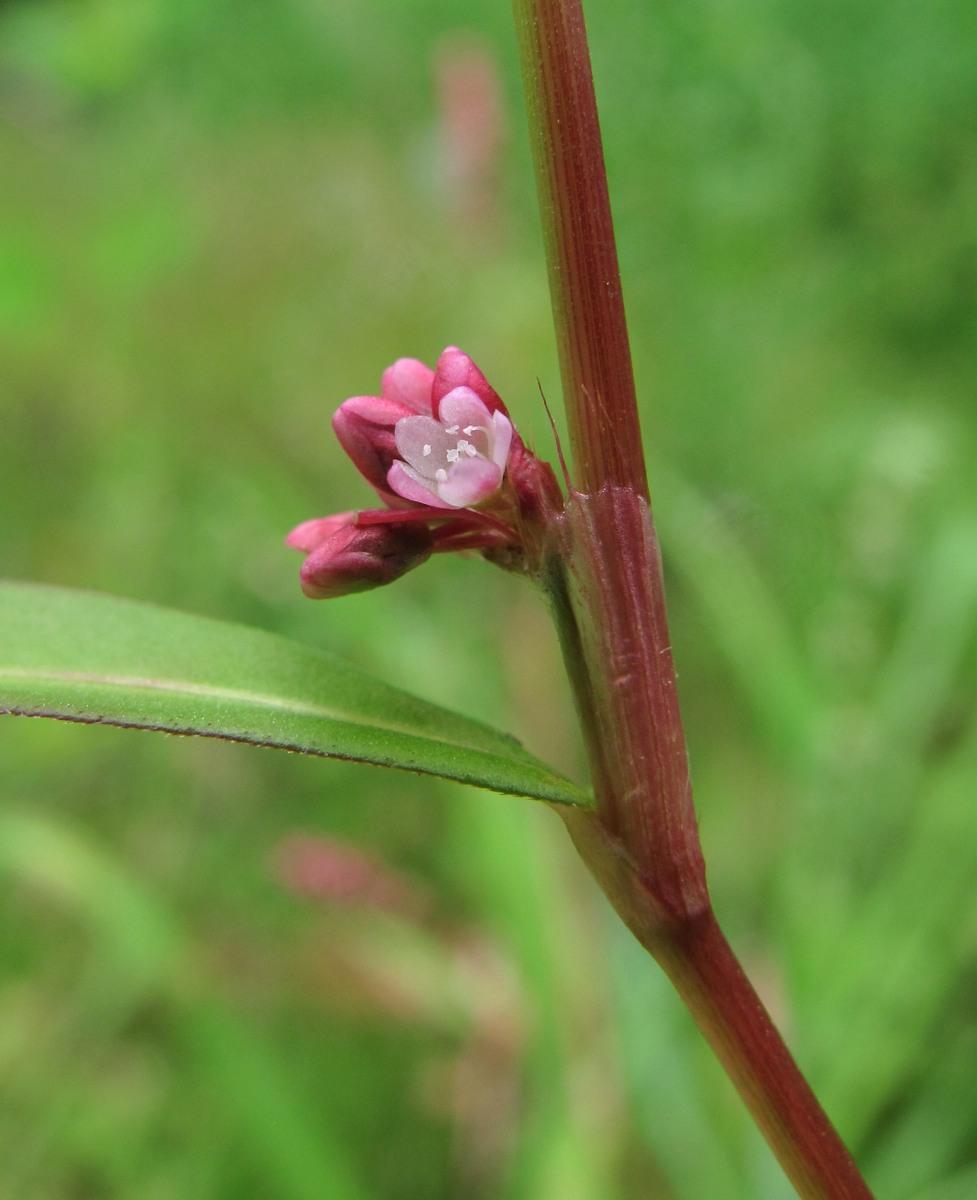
x=451, y=428
x=441, y=475
x=452, y=455
x=427, y=449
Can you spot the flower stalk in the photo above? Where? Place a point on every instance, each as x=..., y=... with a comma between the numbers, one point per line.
x=604, y=579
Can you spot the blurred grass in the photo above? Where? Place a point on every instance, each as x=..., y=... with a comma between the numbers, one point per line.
x=217, y=221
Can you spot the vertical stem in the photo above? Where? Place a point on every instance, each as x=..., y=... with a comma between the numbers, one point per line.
x=604, y=580
x=614, y=579
x=585, y=281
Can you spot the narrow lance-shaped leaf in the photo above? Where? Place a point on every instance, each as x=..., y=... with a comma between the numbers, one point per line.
x=81, y=656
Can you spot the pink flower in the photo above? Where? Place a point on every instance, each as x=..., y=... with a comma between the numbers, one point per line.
x=455, y=460
x=438, y=438
x=439, y=449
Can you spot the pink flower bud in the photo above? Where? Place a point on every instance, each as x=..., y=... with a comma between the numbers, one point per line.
x=455, y=369
x=310, y=534
x=408, y=382
x=355, y=558
x=364, y=426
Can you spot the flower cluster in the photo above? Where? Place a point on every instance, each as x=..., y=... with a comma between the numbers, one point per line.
x=440, y=450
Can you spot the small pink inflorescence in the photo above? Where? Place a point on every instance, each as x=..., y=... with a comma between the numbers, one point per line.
x=440, y=450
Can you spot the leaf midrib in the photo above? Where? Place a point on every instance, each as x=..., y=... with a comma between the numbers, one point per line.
x=257, y=699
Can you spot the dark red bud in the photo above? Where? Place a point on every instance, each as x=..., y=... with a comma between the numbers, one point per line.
x=455, y=369
x=356, y=558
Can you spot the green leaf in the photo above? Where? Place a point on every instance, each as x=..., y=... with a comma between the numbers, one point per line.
x=81, y=656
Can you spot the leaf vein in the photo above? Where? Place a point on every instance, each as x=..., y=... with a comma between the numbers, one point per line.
x=290, y=705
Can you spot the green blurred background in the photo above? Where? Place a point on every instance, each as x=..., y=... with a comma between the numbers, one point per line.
x=217, y=220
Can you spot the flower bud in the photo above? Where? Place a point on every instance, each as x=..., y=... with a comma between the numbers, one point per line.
x=355, y=558
x=309, y=534
x=364, y=427
x=408, y=382
x=455, y=369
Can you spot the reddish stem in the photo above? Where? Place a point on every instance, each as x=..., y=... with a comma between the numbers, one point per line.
x=695, y=955
x=603, y=576
x=581, y=254
x=709, y=978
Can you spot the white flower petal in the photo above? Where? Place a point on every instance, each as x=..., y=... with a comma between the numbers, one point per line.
x=470, y=481
x=501, y=439
x=463, y=408
x=414, y=434
x=405, y=482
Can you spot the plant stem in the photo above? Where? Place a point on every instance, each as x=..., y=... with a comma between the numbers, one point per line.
x=604, y=580
x=706, y=973
x=581, y=255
